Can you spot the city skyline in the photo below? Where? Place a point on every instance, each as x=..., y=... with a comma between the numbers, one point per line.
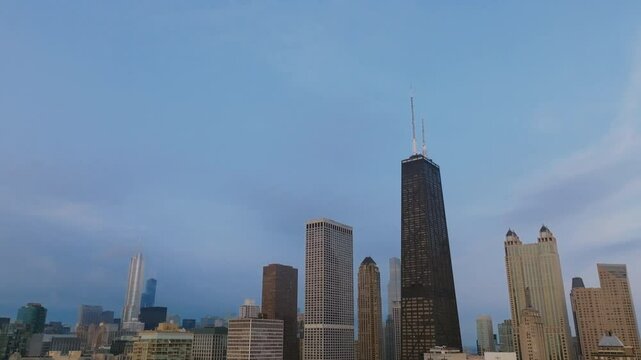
x=137, y=140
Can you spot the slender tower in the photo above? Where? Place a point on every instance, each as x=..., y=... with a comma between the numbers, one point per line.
x=429, y=314
x=370, y=332
x=134, y=289
x=329, y=291
x=280, y=301
x=393, y=323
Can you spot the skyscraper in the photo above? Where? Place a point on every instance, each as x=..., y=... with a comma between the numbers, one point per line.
x=392, y=346
x=537, y=269
x=89, y=314
x=134, y=289
x=255, y=339
x=429, y=314
x=599, y=311
x=394, y=284
x=370, y=321
x=34, y=316
x=484, y=334
x=248, y=310
x=148, y=298
x=506, y=336
x=280, y=301
x=329, y=291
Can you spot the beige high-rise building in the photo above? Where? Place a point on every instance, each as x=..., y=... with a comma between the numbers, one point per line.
x=165, y=343
x=255, y=339
x=537, y=267
x=329, y=291
x=484, y=334
x=370, y=319
x=532, y=342
x=608, y=309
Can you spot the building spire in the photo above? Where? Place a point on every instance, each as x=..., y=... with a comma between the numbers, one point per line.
x=414, y=152
x=423, y=132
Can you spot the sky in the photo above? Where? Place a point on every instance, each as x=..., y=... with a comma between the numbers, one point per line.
x=205, y=134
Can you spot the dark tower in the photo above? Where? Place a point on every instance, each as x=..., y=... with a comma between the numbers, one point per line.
x=148, y=298
x=280, y=301
x=429, y=315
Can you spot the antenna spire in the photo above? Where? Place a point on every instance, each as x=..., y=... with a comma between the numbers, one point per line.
x=414, y=152
x=423, y=132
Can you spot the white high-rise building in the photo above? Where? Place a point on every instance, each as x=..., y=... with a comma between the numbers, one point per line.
x=393, y=347
x=329, y=291
x=134, y=289
x=394, y=285
x=484, y=334
x=248, y=310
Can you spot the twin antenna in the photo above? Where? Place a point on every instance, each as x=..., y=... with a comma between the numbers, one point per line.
x=414, y=150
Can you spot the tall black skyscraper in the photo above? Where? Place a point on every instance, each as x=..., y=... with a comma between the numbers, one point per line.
x=429, y=315
x=148, y=298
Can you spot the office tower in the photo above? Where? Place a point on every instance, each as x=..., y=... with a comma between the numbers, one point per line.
x=610, y=347
x=396, y=318
x=134, y=289
x=608, y=308
x=209, y=344
x=280, y=301
x=260, y=339
x=484, y=334
x=370, y=337
x=33, y=316
x=89, y=314
x=189, y=324
x=329, y=291
x=531, y=332
x=148, y=298
x=107, y=317
x=537, y=267
x=394, y=322
x=429, y=314
x=248, y=310
x=506, y=336
x=166, y=343
x=153, y=316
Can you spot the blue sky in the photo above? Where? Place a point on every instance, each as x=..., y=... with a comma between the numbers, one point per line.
x=206, y=133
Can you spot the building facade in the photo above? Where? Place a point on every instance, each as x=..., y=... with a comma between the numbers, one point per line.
x=609, y=308
x=148, y=298
x=33, y=316
x=393, y=323
x=611, y=347
x=89, y=314
x=536, y=269
x=131, y=309
x=255, y=339
x=209, y=344
x=248, y=310
x=429, y=314
x=370, y=319
x=506, y=336
x=166, y=343
x=280, y=301
x=484, y=334
x=329, y=291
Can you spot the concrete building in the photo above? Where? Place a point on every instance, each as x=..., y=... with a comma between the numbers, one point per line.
x=165, y=343
x=429, y=312
x=209, y=344
x=532, y=337
x=611, y=347
x=506, y=336
x=537, y=267
x=259, y=339
x=89, y=314
x=484, y=334
x=280, y=301
x=248, y=310
x=33, y=316
x=609, y=308
x=329, y=291
x=131, y=309
x=153, y=316
x=148, y=298
x=370, y=331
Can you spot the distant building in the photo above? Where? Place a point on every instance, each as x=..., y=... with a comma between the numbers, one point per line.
x=4, y=321
x=33, y=316
x=131, y=309
x=62, y=343
x=370, y=332
x=209, y=344
x=484, y=334
x=393, y=323
x=89, y=314
x=173, y=319
x=165, y=343
x=598, y=311
x=329, y=291
x=506, y=336
x=107, y=317
x=611, y=347
x=280, y=301
x=189, y=324
x=444, y=353
x=153, y=316
x=133, y=326
x=148, y=298
x=259, y=339
x=248, y=310
x=499, y=356
x=537, y=267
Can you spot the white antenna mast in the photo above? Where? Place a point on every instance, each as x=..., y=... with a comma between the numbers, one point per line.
x=423, y=131
x=414, y=152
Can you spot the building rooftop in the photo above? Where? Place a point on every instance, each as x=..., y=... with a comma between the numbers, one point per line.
x=367, y=261
x=610, y=340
